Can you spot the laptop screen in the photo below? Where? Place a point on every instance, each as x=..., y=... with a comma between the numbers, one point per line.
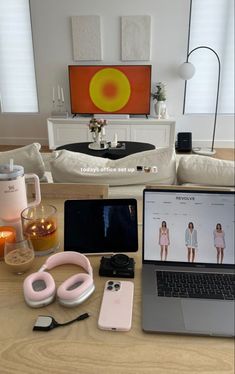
x=101, y=226
x=189, y=227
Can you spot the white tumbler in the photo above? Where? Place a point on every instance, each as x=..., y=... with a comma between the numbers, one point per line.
x=13, y=196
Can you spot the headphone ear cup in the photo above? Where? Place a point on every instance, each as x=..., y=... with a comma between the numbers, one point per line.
x=39, y=289
x=75, y=290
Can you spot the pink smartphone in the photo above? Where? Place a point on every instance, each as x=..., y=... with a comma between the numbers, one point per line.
x=116, y=306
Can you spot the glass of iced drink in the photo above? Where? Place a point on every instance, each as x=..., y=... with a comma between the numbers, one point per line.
x=18, y=256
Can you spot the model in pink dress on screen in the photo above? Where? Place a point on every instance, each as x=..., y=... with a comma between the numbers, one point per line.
x=219, y=242
x=164, y=240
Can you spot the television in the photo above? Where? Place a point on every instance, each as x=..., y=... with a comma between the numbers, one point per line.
x=111, y=89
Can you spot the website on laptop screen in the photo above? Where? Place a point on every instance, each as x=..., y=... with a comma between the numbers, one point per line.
x=189, y=227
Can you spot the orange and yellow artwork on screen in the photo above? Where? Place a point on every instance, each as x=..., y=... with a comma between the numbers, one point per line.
x=110, y=89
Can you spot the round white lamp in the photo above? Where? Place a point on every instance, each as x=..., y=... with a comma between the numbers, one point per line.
x=186, y=71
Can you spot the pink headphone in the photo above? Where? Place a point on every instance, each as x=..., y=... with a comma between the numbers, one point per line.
x=40, y=290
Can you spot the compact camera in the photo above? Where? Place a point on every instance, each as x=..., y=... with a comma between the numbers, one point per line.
x=117, y=266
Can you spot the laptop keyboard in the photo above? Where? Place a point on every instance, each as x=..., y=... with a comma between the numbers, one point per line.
x=195, y=285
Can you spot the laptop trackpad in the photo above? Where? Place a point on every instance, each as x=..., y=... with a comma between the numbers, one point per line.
x=164, y=315
x=208, y=316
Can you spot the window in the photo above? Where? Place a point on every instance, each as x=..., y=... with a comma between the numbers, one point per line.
x=18, y=91
x=212, y=25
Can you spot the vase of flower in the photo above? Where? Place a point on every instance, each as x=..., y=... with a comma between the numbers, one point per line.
x=159, y=95
x=96, y=127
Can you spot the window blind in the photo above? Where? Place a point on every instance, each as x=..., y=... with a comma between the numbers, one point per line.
x=212, y=25
x=18, y=91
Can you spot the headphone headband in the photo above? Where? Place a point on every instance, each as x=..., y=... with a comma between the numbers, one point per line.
x=68, y=257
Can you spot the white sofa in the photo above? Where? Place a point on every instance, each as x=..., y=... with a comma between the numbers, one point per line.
x=122, y=175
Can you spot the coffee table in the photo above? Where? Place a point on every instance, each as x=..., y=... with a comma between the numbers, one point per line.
x=125, y=149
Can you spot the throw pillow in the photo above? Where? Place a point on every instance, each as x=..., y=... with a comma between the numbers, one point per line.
x=156, y=166
x=205, y=171
x=29, y=157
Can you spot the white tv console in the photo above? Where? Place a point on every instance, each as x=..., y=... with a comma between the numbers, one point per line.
x=160, y=132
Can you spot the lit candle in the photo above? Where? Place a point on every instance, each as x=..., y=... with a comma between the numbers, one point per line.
x=6, y=233
x=58, y=92
x=43, y=234
x=62, y=95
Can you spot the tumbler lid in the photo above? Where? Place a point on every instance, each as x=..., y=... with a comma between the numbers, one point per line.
x=7, y=174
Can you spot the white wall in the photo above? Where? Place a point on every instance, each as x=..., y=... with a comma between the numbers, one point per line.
x=53, y=53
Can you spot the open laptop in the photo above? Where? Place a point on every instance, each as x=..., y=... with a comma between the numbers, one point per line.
x=188, y=262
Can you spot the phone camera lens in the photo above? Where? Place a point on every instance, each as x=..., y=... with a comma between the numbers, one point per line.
x=109, y=288
x=110, y=283
x=117, y=286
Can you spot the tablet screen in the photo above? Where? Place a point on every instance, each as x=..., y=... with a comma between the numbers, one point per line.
x=101, y=226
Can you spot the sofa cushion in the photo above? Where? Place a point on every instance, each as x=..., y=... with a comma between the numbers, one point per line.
x=29, y=157
x=205, y=170
x=73, y=167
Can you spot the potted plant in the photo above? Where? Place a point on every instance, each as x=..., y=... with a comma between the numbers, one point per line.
x=96, y=127
x=160, y=96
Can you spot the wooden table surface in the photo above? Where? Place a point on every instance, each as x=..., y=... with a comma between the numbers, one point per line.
x=82, y=348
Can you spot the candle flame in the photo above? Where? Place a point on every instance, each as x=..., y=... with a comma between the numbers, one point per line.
x=5, y=234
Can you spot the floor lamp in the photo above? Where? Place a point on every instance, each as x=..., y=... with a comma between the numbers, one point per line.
x=186, y=71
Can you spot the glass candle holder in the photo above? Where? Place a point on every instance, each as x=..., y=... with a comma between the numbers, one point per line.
x=7, y=233
x=18, y=256
x=40, y=226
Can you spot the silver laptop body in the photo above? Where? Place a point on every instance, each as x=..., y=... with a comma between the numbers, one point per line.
x=185, y=234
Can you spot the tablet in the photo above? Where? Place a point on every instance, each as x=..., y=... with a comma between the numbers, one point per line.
x=101, y=226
